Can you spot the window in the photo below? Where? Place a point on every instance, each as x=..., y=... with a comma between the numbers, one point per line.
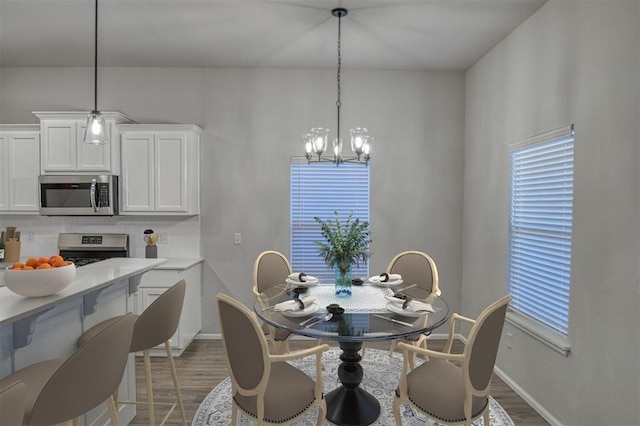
x=540, y=223
x=320, y=189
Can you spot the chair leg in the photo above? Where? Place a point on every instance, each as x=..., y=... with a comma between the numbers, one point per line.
x=113, y=411
x=234, y=414
x=392, y=349
x=485, y=416
x=396, y=410
x=176, y=385
x=147, y=373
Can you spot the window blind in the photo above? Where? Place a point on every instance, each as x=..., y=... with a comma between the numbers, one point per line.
x=541, y=216
x=320, y=189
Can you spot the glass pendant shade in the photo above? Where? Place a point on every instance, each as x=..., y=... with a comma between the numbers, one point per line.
x=359, y=139
x=337, y=150
x=96, y=131
x=319, y=138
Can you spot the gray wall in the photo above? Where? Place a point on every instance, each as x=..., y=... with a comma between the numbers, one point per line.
x=253, y=121
x=572, y=62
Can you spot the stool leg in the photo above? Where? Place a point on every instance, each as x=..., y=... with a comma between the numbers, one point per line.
x=113, y=411
x=176, y=385
x=147, y=373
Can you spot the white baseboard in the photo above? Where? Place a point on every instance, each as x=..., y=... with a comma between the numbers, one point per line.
x=528, y=398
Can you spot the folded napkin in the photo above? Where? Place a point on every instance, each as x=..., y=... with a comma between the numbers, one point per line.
x=301, y=277
x=384, y=277
x=413, y=305
x=294, y=305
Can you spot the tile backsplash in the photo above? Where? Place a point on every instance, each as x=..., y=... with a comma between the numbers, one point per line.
x=182, y=235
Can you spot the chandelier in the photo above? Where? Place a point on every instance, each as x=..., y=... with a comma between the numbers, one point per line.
x=315, y=142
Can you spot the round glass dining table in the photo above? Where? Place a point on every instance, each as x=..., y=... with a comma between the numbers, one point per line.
x=368, y=316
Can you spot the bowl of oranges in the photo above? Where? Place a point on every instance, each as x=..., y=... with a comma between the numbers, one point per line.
x=40, y=276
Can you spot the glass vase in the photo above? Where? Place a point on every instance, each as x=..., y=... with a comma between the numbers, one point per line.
x=343, y=278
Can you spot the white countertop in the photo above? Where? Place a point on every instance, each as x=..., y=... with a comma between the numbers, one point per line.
x=88, y=279
x=180, y=263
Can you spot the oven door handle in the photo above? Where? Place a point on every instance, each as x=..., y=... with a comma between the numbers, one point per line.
x=94, y=195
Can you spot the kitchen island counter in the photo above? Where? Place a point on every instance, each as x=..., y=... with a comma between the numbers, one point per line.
x=89, y=279
x=33, y=329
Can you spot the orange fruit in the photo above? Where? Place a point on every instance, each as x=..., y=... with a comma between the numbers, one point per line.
x=17, y=265
x=28, y=268
x=32, y=261
x=43, y=259
x=55, y=259
x=44, y=266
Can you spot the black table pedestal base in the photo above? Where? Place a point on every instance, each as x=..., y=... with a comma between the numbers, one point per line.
x=349, y=404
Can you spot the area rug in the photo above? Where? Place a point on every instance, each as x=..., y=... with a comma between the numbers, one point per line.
x=381, y=373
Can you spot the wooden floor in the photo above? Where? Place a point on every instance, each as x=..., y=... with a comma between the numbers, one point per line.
x=202, y=366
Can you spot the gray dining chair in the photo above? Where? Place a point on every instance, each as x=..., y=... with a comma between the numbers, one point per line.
x=454, y=388
x=416, y=267
x=270, y=271
x=264, y=385
x=61, y=390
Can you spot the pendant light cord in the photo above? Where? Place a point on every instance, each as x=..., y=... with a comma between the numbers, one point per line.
x=338, y=102
x=95, y=63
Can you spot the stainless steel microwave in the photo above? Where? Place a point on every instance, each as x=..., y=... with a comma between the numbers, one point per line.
x=78, y=195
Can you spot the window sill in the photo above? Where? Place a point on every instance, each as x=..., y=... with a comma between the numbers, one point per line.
x=539, y=332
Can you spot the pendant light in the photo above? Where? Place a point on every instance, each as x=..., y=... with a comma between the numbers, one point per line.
x=96, y=130
x=315, y=142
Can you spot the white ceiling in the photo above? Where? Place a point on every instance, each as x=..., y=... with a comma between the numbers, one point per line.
x=377, y=34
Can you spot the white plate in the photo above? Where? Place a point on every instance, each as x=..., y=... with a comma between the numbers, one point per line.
x=376, y=281
x=302, y=284
x=397, y=309
x=301, y=312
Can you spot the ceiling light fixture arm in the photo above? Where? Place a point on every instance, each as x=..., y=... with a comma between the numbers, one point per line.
x=95, y=63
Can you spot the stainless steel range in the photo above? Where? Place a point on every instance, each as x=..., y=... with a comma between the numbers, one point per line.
x=83, y=249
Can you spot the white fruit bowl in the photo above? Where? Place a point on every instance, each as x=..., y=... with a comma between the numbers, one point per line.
x=39, y=282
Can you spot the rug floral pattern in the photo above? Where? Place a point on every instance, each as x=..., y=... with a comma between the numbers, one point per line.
x=381, y=373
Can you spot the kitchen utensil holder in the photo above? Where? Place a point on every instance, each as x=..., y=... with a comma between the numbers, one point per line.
x=11, y=251
x=151, y=252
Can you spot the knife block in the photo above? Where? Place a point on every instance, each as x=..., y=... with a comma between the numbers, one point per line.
x=11, y=251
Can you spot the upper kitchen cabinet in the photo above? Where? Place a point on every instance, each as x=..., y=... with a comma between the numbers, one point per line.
x=160, y=169
x=19, y=169
x=63, y=150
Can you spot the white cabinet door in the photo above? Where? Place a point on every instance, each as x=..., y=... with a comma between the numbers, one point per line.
x=24, y=155
x=4, y=172
x=92, y=158
x=137, y=173
x=19, y=170
x=160, y=169
x=59, y=145
x=170, y=176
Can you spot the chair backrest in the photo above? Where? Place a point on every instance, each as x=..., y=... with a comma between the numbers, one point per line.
x=483, y=340
x=88, y=377
x=416, y=267
x=245, y=345
x=159, y=321
x=271, y=268
x=12, y=401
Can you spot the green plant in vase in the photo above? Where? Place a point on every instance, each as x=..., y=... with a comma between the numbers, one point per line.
x=346, y=245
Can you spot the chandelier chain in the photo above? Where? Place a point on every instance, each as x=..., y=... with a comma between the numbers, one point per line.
x=339, y=102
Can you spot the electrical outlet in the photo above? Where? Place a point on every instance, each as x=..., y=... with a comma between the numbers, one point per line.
x=163, y=238
x=237, y=238
x=509, y=341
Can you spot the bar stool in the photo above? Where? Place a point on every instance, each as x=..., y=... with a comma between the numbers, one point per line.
x=60, y=390
x=155, y=325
